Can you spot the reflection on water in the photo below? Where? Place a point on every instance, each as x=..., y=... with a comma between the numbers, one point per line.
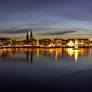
x=56, y=53
x=72, y=52
x=76, y=55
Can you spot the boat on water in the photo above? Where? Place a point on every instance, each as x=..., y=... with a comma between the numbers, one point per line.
x=76, y=46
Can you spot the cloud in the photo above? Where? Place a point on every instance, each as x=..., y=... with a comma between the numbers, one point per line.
x=44, y=30
x=14, y=31
x=58, y=33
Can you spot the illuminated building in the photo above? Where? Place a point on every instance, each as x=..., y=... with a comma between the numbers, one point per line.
x=70, y=44
x=58, y=42
x=83, y=42
x=45, y=42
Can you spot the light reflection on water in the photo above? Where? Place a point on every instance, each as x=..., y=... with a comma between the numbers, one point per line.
x=54, y=53
x=60, y=68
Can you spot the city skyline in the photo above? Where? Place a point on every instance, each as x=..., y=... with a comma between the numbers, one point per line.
x=46, y=45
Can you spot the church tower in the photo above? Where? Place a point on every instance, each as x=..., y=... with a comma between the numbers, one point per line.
x=31, y=36
x=27, y=37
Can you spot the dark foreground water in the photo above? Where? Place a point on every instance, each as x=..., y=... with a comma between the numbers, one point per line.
x=50, y=70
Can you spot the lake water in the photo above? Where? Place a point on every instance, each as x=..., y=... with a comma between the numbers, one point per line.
x=55, y=69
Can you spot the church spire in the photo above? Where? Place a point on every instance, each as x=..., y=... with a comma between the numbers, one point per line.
x=31, y=36
x=27, y=37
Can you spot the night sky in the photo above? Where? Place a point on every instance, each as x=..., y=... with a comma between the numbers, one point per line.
x=46, y=15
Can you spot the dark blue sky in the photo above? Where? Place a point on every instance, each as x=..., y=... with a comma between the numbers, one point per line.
x=46, y=15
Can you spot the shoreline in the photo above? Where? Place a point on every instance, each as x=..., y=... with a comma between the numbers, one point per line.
x=38, y=47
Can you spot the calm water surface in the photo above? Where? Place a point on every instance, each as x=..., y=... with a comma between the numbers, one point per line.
x=46, y=69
